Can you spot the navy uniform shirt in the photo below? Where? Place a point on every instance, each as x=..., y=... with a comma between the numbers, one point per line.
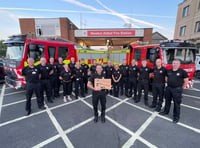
x=45, y=70
x=176, y=78
x=159, y=75
x=109, y=71
x=144, y=73
x=72, y=66
x=55, y=71
x=85, y=68
x=31, y=74
x=66, y=75
x=116, y=74
x=133, y=71
x=60, y=68
x=124, y=70
x=93, y=69
x=78, y=73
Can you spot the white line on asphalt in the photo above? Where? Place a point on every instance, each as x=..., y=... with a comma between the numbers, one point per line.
x=1, y=98
x=185, y=105
x=24, y=117
x=196, y=81
x=21, y=118
x=191, y=96
x=5, y=105
x=122, y=127
x=13, y=103
x=42, y=144
x=14, y=93
x=131, y=141
x=163, y=117
x=59, y=128
x=195, y=89
x=191, y=107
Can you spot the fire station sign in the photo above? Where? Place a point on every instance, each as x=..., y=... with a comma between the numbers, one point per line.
x=110, y=33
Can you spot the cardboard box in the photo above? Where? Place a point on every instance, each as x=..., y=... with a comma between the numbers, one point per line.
x=102, y=83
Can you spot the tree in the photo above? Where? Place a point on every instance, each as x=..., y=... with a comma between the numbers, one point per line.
x=2, y=48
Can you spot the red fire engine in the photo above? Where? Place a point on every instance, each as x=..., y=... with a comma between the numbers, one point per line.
x=167, y=51
x=20, y=48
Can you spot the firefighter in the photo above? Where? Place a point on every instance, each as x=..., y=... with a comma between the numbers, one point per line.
x=72, y=68
x=158, y=85
x=66, y=76
x=32, y=76
x=46, y=71
x=78, y=75
x=177, y=79
x=109, y=69
x=53, y=77
x=116, y=77
x=93, y=67
x=98, y=94
x=85, y=68
x=124, y=80
x=60, y=68
x=133, y=75
x=143, y=82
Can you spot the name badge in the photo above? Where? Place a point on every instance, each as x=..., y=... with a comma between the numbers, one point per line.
x=33, y=72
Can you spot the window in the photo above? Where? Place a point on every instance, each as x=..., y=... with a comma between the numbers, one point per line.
x=35, y=51
x=185, y=11
x=63, y=52
x=51, y=51
x=197, y=27
x=182, y=31
x=137, y=54
x=186, y=56
x=199, y=6
x=14, y=51
x=152, y=54
x=38, y=31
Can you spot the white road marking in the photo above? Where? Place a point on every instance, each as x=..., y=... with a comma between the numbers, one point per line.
x=195, y=89
x=17, y=92
x=185, y=105
x=121, y=126
x=59, y=128
x=24, y=117
x=21, y=118
x=191, y=96
x=42, y=144
x=196, y=81
x=1, y=98
x=5, y=105
x=142, y=128
x=163, y=117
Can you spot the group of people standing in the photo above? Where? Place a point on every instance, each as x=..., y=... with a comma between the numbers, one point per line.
x=126, y=79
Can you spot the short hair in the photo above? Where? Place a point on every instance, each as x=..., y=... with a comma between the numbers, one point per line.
x=144, y=59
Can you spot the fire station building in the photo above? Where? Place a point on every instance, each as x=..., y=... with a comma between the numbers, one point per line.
x=41, y=28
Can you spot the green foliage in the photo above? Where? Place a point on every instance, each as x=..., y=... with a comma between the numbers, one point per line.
x=2, y=49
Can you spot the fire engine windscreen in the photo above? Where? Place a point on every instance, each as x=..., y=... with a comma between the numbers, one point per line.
x=14, y=51
x=185, y=55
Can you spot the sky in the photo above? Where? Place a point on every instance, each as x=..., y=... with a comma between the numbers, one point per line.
x=89, y=14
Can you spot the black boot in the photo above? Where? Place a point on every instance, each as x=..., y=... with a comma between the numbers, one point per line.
x=95, y=119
